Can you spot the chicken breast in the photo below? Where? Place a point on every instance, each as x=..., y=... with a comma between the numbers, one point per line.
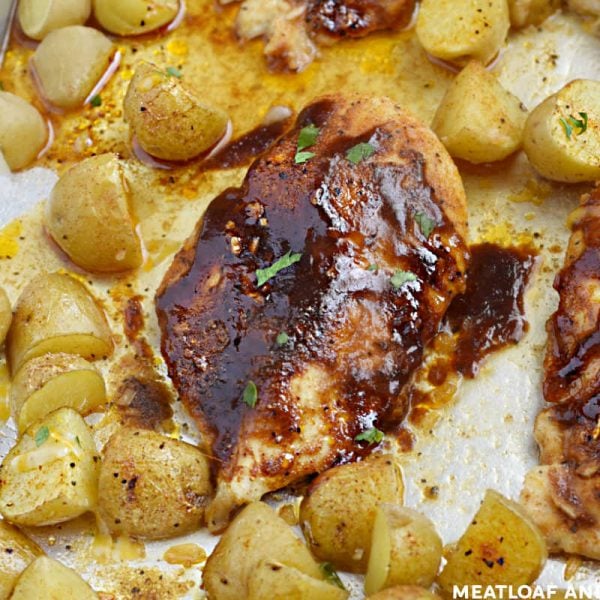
x=363, y=235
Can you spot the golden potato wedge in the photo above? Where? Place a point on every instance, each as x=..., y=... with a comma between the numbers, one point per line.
x=89, y=216
x=69, y=63
x=23, y=131
x=501, y=546
x=152, y=486
x=256, y=534
x=338, y=513
x=52, y=381
x=16, y=552
x=5, y=315
x=405, y=592
x=168, y=120
x=48, y=579
x=276, y=581
x=39, y=17
x=478, y=120
x=405, y=549
x=461, y=30
x=55, y=313
x=50, y=476
x=134, y=17
x=531, y=12
x=562, y=134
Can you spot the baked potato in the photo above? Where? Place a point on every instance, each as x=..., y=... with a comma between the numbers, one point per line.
x=39, y=17
x=152, y=486
x=23, y=131
x=256, y=534
x=56, y=313
x=133, y=17
x=405, y=549
x=562, y=134
x=338, y=514
x=51, y=474
x=461, y=30
x=48, y=579
x=16, y=552
x=531, y=12
x=5, y=315
x=168, y=120
x=276, y=581
x=501, y=546
x=69, y=62
x=89, y=216
x=405, y=592
x=478, y=120
x=52, y=381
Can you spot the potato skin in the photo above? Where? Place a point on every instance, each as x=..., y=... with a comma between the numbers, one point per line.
x=531, y=12
x=69, y=63
x=478, y=120
x=134, y=17
x=23, y=131
x=88, y=215
x=39, y=17
x=404, y=592
x=552, y=152
x=338, y=513
x=5, y=315
x=168, y=120
x=56, y=313
x=152, y=486
x=257, y=533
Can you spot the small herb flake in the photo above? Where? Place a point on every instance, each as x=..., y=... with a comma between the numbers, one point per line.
x=283, y=338
x=425, y=222
x=399, y=278
x=568, y=129
x=308, y=136
x=250, y=395
x=96, y=100
x=43, y=433
x=263, y=275
x=302, y=157
x=174, y=72
x=331, y=575
x=78, y=440
x=360, y=152
x=580, y=124
x=373, y=436
x=373, y=267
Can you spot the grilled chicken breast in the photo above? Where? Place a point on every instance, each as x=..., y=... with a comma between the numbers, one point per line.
x=564, y=494
x=283, y=376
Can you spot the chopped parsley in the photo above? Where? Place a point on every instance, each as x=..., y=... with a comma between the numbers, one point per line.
x=96, y=101
x=373, y=267
x=373, y=436
x=174, y=72
x=399, y=278
x=425, y=222
x=360, y=152
x=572, y=123
x=307, y=138
x=263, y=275
x=331, y=575
x=250, y=395
x=283, y=338
x=78, y=440
x=43, y=433
x=302, y=157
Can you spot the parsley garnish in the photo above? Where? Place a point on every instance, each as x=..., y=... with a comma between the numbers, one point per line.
x=283, y=338
x=399, y=278
x=360, y=152
x=250, y=395
x=307, y=138
x=96, y=100
x=174, y=72
x=425, y=222
x=263, y=275
x=302, y=157
x=373, y=267
x=43, y=433
x=568, y=129
x=373, y=436
x=78, y=440
x=574, y=123
x=331, y=575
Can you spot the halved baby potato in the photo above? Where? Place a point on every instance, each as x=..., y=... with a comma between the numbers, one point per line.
x=89, y=216
x=531, y=12
x=501, y=546
x=405, y=549
x=5, y=315
x=23, y=131
x=56, y=313
x=168, y=120
x=52, y=381
x=48, y=579
x=69, y=62
x=338, y=514
x=51, y=474
x=134, y=17
x=562, y=134
x=404, y=592
x=39, y=17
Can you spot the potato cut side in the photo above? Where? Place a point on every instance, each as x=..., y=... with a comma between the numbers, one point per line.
x=405, y=592
x=405, y=549
x=51, y=475
x=501, y=546
x=134, y=17
x=39, y=17
x=55, y=313
x=48, y=579
x=255, y=535
x=338, y=513
x=5, y=315
x=52, y=381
